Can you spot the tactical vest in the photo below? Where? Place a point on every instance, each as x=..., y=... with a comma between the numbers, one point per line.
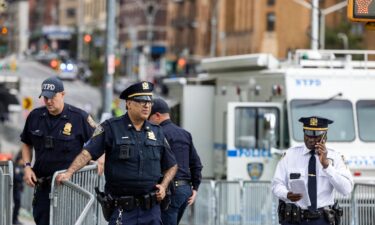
x=134, y=160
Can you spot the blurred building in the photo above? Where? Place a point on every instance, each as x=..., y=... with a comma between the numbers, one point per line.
x=68, y=12
x=143, y=36
x=15, y=26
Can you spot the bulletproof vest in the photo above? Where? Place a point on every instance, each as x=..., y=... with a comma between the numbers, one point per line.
x=135, y=156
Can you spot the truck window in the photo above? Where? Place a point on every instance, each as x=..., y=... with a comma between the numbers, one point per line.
x=257, y=127
x=366, y=122
x=340, y=111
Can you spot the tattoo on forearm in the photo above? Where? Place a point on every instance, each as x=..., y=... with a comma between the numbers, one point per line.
x=80, y=161
x=168, y=175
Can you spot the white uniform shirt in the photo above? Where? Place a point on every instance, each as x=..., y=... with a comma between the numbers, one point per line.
x=296, y=160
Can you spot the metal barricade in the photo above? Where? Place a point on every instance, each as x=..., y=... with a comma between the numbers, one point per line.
x=363, y=202
x=228, y=196
x=67, y=204
x=346, y=203
x=6, y=192
x=259, y=205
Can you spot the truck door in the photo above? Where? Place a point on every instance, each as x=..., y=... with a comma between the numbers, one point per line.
x=254, y=133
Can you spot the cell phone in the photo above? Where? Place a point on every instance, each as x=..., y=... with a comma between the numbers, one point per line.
x=294, y=176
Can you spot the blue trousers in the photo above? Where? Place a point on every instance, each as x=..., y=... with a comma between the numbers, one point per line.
x=137, y=216
x=179, y=202
x=320, y=221
x=41, y=204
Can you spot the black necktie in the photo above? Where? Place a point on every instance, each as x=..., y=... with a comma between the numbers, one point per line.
x=311, y=183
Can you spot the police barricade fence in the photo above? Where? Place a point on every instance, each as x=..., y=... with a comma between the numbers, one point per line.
x=70, y=202
x=6, y=192
x=363, y=204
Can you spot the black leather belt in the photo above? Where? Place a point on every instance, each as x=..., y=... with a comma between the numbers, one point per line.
x=178, y=183
x=312, y=215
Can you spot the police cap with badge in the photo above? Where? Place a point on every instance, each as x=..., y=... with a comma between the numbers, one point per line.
x=315, y=126
x=141, y=91
x=51, y=86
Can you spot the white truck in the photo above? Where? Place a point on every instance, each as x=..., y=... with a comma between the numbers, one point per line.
x=244, y=112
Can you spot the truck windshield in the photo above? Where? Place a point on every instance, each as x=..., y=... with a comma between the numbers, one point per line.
x=340, y=111
x=257, y=127
x=366, y=122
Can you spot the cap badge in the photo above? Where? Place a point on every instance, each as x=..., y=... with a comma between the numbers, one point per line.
x=67, y=129
x=314, y=122
x=145, y=86
x=151, y=135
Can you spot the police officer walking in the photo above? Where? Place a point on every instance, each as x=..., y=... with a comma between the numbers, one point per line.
x=137, y=156
x=188, y=177
x=57, y=132
x=322, y=170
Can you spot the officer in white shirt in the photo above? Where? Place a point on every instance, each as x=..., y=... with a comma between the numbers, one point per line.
x=321, y=169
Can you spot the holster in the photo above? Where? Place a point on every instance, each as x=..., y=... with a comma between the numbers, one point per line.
x=106, y=202
x=329, y=215
x=338, y=213
x=164, y=204
x=289, y=213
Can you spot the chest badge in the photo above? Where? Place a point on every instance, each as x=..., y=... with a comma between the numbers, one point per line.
x=67, y=129
x=151, y=135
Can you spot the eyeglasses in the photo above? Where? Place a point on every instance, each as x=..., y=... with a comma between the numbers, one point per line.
x=143, y=102
x=314, y=133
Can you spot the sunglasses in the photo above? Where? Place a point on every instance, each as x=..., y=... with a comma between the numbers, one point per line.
x=314, y=133
x=143, y=102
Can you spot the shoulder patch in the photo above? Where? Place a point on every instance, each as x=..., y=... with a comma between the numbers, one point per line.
x=92, y=122
x=98, y=130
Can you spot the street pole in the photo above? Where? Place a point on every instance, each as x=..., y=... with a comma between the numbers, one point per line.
x=214, y=29
x=109, y=69
x=315, y=25
x=80, y=30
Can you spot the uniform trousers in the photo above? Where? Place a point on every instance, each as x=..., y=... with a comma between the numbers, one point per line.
x=41, y=205
x=320, y=221
x=179, y=202
x=138, y=216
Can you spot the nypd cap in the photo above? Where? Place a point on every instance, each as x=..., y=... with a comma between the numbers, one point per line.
x=51, y=86
x=138, y=91
x=159, y=106
x=314, y=125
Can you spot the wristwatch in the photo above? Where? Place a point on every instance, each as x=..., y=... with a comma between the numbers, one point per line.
x=26, y=165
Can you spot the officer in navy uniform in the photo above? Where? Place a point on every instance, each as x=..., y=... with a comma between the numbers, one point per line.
x=137, y=157
x=57, y=132
x=321, y=169
x=188, y=177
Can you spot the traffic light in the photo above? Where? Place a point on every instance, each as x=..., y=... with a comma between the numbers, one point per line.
x=4, y=30
x=87, y=38
x=361, y=10
x=27, y=103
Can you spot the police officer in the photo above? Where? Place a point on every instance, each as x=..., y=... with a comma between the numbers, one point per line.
x=320, y=169
x=188, y=177
x=136, y=155
x=57, y=132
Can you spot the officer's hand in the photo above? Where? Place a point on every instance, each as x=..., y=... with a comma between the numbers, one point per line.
x=321, y=150
x=191, y=200
x=101, y=165
x=63, y=177
x=160, y=193
x=294, y=197
x=29, y=177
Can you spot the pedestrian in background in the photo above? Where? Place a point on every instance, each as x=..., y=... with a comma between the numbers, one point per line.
x=57, y=132
x=188, y=177
x=137, y=157
x=323, y=170
x=17, y=187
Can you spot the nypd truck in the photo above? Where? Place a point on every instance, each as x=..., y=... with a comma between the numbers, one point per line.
x=243, y=114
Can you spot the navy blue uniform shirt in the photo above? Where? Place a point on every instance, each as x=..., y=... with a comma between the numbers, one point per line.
x=67, y=132
x=188, y=161
x=134, y=159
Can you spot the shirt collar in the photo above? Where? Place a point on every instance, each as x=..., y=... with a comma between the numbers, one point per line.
x=165, y=122
x=129, y=124
x=306, y=150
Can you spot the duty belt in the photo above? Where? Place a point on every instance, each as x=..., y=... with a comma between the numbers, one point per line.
x=131, y=202
x=178, y=183
x=44, y=182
